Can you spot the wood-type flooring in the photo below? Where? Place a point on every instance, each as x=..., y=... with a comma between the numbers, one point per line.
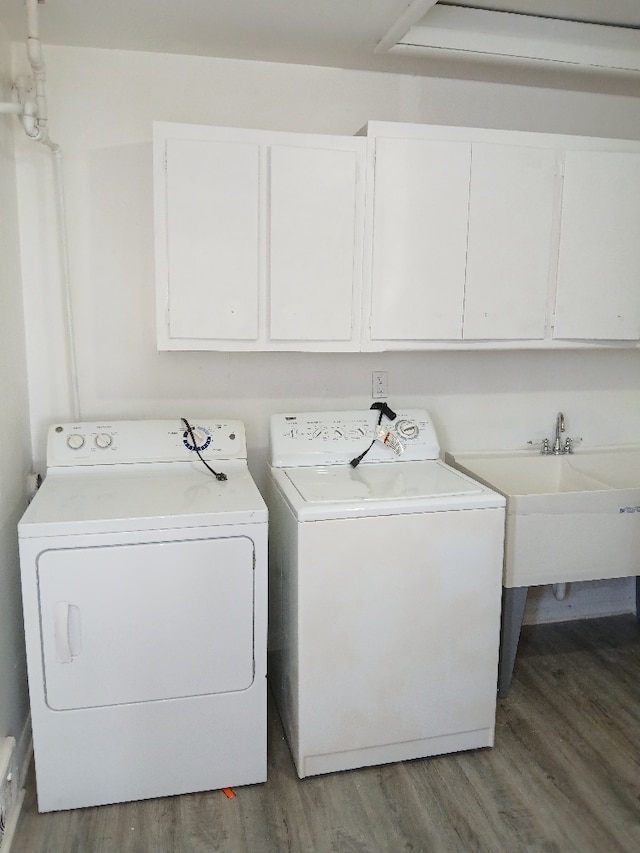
x=563, y=777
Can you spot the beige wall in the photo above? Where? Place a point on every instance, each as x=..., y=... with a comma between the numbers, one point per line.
x=102, y=105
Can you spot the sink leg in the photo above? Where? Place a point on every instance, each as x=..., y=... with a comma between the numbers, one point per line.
x=513, y=602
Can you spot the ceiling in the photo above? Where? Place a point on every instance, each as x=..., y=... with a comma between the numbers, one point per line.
x=581, y=44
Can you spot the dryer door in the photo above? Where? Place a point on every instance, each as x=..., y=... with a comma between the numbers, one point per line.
x=145, y=622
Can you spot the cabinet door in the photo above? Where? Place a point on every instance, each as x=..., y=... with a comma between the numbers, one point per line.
x=315, y=243
x=511, y=217
x=598, y=288
x=212, y=239
x=419, y=239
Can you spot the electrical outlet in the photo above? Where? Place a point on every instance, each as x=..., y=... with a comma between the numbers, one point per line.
x=379, y=384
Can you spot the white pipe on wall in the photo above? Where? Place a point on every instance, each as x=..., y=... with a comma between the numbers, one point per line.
x=63, y=244
x=35, y=124
x=34, y=120
x=34, y=55
x=33, y=24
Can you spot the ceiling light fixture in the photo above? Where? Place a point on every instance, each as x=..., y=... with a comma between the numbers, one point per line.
x=431, y=26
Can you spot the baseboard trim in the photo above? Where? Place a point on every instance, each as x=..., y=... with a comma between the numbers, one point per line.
x=24, y=753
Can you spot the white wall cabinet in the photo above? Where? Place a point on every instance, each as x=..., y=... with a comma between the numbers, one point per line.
x=315, y=244
x=491, y=238
x=209, y=253
x=468, y=238
x=419, y=239
x=598, y=288
x=510, y=242
x=259, y=239
x=461, y=238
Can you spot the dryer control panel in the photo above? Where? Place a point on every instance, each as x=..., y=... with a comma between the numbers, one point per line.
x=335, y=438
x=125, y=442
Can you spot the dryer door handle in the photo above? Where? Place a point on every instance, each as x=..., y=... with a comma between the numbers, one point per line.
x=66, y=625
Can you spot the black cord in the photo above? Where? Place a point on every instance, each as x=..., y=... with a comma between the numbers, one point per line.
x=384, y=410
x=219, y=476
x=358, y=459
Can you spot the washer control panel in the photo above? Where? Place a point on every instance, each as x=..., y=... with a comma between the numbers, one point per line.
x=122, y=442
x=333, y=438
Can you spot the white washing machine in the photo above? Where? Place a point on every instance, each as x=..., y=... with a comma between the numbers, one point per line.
x=385, y=592
x=144, y=581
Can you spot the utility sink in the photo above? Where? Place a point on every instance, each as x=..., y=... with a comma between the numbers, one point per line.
x=569, y=517
x=534, y=482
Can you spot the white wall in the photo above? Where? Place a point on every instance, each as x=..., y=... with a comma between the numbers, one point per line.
x=14, y=433
x=101, y=106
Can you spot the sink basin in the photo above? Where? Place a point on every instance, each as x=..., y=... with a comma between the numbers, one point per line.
x=569, y=518
x=526, y=474
x=619, y=467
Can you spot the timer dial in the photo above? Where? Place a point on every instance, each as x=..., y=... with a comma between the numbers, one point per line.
x=103, y=440
x=407, y=429
x=202, y=437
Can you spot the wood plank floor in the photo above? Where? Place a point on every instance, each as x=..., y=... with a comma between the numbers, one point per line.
x=564, y=777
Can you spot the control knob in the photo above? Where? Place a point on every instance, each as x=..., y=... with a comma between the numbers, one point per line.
x=407, y=429
x=202, y=438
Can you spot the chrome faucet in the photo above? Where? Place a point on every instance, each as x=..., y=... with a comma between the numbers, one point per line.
x=557, y=444
x=558, y=448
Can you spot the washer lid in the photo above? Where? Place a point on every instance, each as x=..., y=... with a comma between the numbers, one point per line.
x=383, y=489
x=124, y=498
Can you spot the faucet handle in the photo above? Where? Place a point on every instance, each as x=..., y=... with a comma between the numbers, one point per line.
x=545, y=449
x=568, y=446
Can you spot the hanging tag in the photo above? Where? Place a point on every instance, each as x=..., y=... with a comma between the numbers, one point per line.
x=390, y=440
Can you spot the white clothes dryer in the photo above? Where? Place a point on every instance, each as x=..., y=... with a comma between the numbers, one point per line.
x=385, y=593
x=144, y=579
